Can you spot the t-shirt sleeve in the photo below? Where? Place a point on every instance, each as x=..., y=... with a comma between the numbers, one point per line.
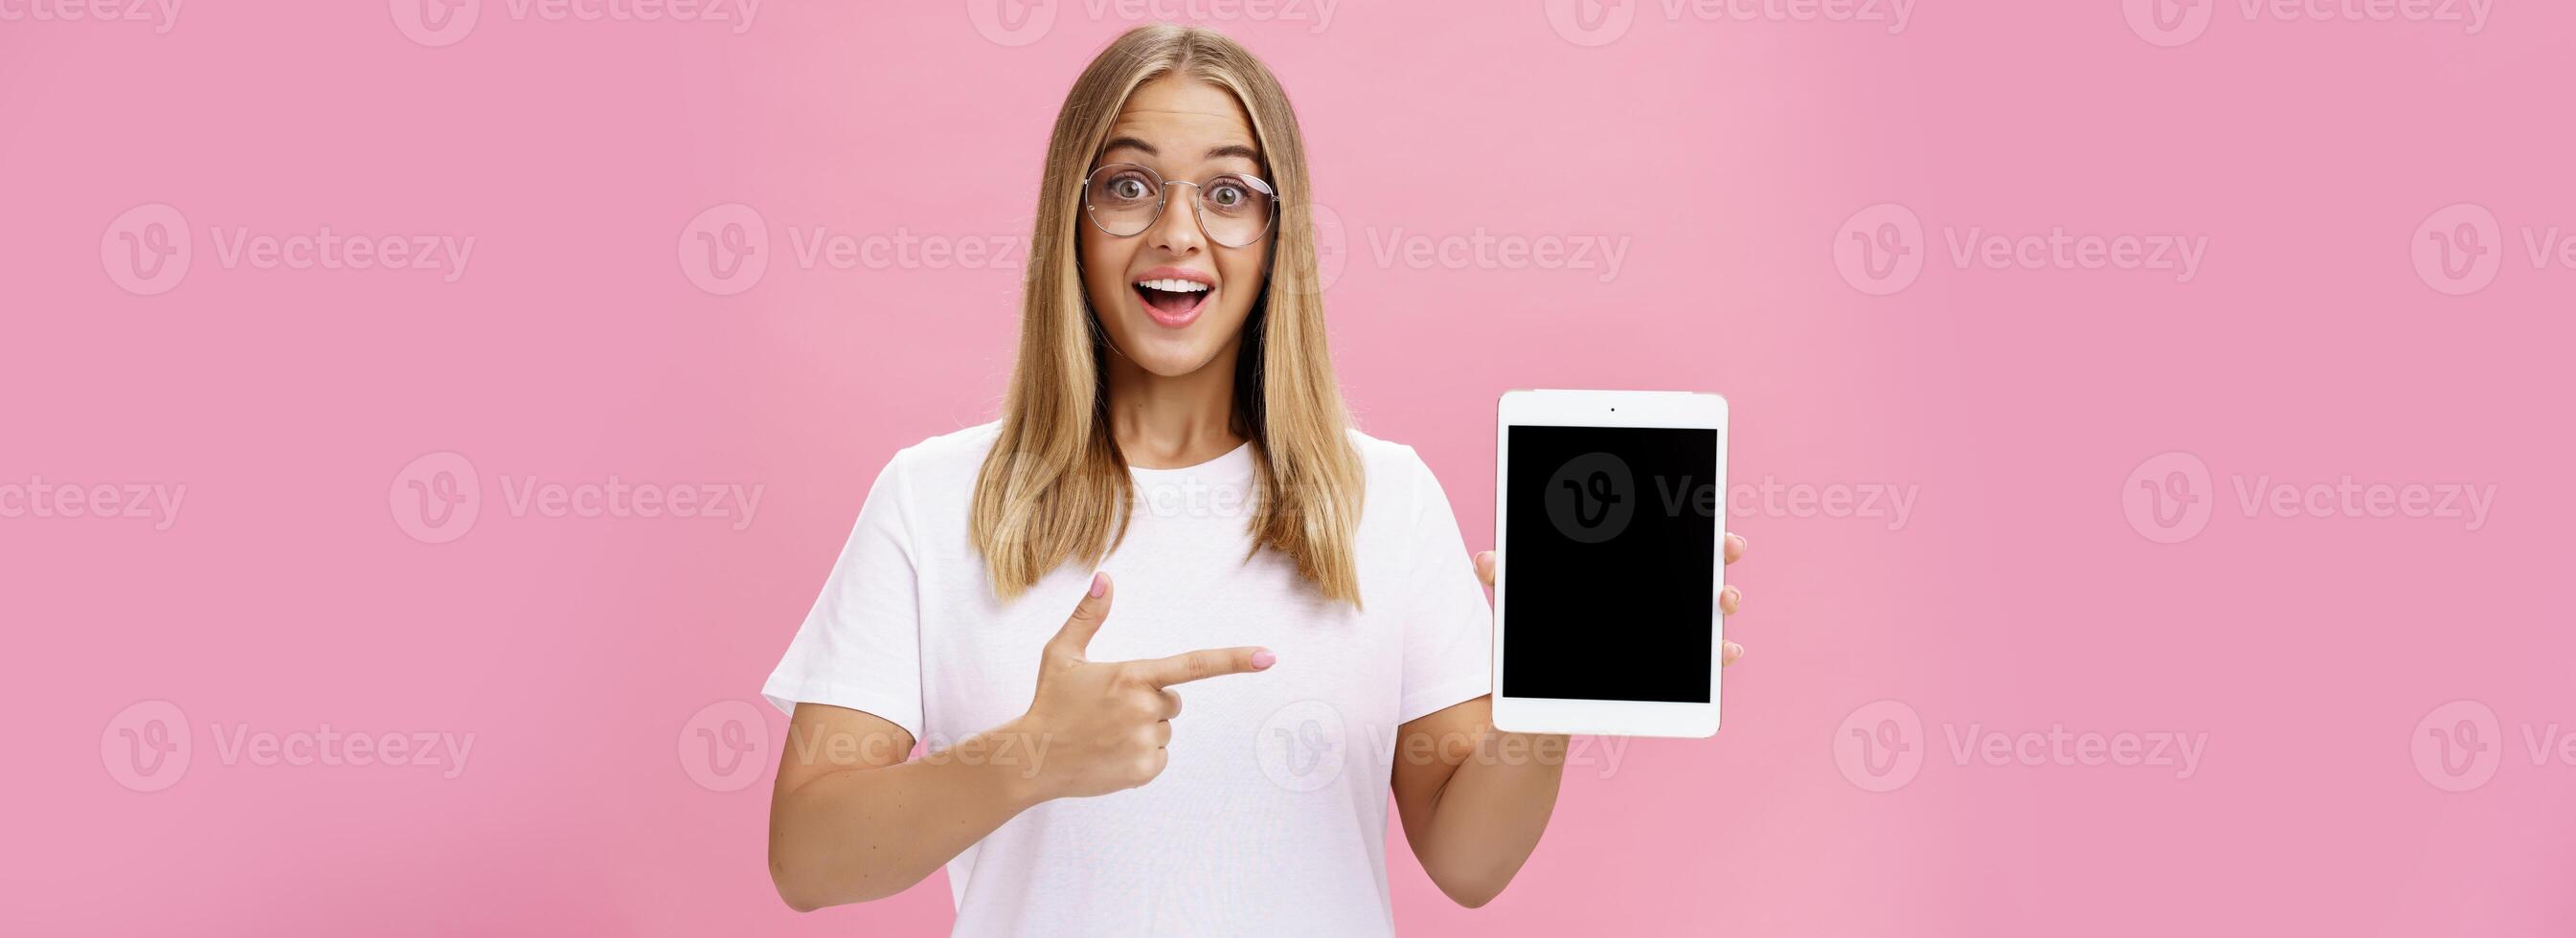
x=860, y=647
x=1448, y=625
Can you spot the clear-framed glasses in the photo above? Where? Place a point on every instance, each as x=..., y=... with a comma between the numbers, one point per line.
x=1124, y=199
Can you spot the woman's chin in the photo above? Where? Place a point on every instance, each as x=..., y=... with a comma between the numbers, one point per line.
x=1174, y=364
x=1168, y=356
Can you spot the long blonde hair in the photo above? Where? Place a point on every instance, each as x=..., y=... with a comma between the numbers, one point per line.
x=1055, y=488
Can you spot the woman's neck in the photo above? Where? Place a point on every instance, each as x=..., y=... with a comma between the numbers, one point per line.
x=1173, y=422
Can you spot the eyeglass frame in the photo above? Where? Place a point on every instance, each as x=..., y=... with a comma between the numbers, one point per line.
x=1163, y=200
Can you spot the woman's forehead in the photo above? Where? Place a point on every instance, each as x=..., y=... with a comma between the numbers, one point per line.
x=1184, y=118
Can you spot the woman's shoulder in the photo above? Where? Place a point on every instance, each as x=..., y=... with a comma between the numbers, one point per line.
x=1389, y=466
x=948, y=456
x=1372, y=450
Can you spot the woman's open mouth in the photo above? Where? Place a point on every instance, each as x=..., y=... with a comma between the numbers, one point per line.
x=1173, y=301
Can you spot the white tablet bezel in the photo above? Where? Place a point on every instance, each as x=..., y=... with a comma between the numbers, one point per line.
x=1677, y=409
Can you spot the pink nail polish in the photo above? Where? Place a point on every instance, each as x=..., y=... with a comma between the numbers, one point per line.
x=1263, y=659
x=1099, y=584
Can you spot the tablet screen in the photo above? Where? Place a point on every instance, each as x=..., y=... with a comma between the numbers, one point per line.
x=1612, y=535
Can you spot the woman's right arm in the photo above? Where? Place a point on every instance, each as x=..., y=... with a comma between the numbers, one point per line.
x=851, y=821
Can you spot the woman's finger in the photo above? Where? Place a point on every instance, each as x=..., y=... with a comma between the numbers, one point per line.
x=1485, y=567
x=1734, y=547
x=1733, y=651
x=1728, y=598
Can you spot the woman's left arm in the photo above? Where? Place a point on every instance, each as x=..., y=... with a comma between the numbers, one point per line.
x=1475, y=799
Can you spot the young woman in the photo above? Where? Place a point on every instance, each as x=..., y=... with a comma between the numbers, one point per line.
x=1173, y=442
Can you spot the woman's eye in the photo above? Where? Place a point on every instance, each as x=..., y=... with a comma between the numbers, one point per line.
x=1127, y=188
x=1227, y=196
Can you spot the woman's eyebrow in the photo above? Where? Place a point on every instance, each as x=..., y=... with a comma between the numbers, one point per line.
x=1231, y=149
x=1131, y=143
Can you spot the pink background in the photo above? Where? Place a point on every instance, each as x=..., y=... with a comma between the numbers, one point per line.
x=2020, y=406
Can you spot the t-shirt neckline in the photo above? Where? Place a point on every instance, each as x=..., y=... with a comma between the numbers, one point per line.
x=1236, y=461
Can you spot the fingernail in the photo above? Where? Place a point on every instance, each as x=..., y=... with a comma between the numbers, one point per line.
x=1099, y=584
x=1734, y=650
x=1263, y=659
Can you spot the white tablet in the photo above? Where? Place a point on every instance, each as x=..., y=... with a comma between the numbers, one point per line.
x=1609, y=510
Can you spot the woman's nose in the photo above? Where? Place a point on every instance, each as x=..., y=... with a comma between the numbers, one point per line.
x=1178, y=230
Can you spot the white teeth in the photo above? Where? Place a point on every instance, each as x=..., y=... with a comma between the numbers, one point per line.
x=1173, y=285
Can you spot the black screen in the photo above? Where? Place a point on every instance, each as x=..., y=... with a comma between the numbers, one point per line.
x=1612, y=538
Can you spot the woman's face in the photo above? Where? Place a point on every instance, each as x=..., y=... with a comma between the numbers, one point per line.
x=1185, y=130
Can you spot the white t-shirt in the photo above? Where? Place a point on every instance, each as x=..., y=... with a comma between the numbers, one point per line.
x=1271, y=816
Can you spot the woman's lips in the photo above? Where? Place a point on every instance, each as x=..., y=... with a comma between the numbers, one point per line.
x=1173, y=310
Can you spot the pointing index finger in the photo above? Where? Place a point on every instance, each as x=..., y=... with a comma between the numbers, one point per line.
x=1205, y=663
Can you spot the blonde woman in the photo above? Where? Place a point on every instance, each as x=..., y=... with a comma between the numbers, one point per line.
x=1172, y=506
